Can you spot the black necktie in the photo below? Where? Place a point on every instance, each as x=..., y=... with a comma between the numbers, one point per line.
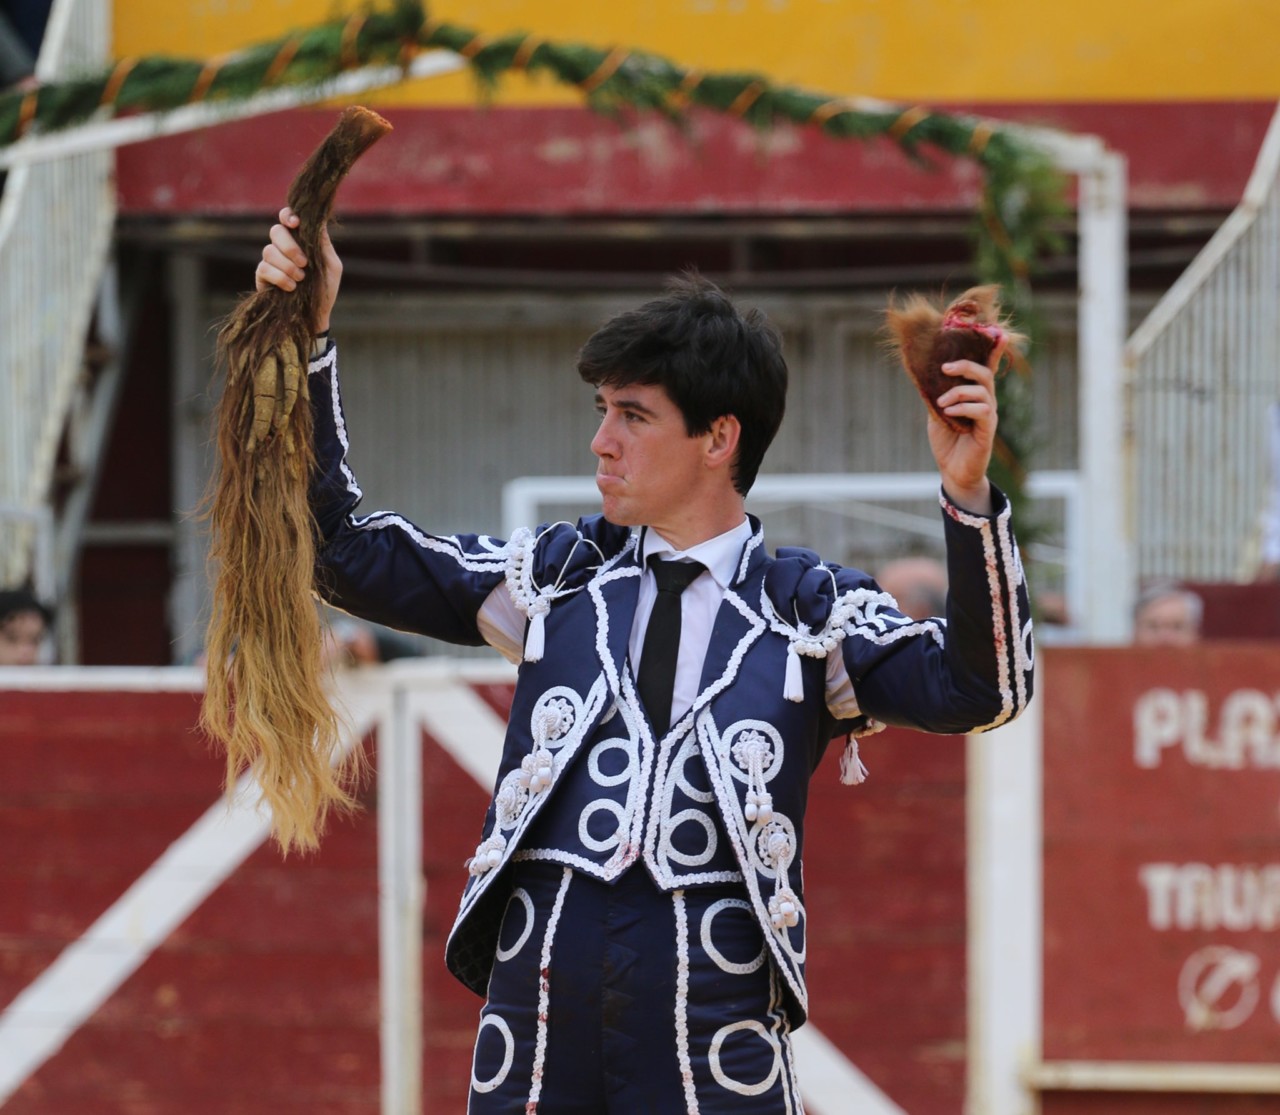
x=662, y=640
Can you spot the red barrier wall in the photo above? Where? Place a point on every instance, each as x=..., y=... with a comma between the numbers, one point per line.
x=1162, y=865
x=265, y=1000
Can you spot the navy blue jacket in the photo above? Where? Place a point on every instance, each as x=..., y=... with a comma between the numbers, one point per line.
x=760, y=722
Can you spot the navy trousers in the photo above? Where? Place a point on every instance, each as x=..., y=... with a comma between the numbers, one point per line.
x=624, y=1000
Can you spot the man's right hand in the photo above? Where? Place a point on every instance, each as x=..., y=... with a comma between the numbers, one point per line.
x=284, y=265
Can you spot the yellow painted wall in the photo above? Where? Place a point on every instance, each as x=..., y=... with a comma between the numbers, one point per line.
x=914, y=50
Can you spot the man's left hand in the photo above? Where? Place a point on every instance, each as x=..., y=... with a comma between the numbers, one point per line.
x=963, y=457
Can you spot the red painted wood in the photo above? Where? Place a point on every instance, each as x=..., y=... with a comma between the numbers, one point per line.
x=265, y=998
x=1111, y=971
x=122, y=591
x=569, y=162
x=124, y=616
x=497, y=697
x=180, y=1064
x=1240, y=611
x=884, y=880
x=93, y=787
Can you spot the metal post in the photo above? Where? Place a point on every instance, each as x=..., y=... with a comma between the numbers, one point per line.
x=400, y=900
x=1109, y=588
x=102, y=135
x=1004, y=899
x=190, y=414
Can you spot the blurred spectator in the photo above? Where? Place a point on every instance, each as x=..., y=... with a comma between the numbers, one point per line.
x=1167, y=615
x=1269, y=569
x=918, y=584
x=1053, y=620
x=1053, y=609
x=354, y=642
x=24, y=623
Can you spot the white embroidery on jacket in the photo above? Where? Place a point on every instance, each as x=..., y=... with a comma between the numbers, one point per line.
x=557, y=724
x=531, y=599
x=999, y=626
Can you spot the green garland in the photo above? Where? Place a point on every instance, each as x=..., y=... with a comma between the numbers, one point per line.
x=1022, y=196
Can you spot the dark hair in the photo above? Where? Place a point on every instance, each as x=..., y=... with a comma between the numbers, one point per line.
x=711, y=359
x=1159, y=590
x=16, y=601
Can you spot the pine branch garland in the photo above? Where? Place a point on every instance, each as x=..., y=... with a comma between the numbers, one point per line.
x=158, y=83
x=1022, y=199
x=1022, y=194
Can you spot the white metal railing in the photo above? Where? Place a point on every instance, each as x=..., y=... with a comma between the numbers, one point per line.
x=859, y=495
x=55, y=230
x=1204, y=368
x=35, y=527
x=112, y=132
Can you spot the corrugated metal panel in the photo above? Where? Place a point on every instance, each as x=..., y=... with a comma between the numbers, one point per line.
x=1204, y=368
x=448, y=398
x=441, y=417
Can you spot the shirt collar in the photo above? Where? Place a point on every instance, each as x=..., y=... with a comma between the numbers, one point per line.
x=719, y=554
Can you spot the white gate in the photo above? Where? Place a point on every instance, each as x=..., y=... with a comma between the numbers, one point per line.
x=55, y=228
x=1203, y=370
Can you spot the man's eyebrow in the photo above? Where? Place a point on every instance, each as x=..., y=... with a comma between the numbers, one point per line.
x=625, y=404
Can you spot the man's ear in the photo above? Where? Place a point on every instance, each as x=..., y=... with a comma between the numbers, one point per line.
x=722, y=442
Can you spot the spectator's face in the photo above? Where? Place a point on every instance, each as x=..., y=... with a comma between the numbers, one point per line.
x=1165, y=622
x=20, y=638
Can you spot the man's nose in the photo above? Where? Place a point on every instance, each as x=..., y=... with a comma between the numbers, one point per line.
x=604, y=444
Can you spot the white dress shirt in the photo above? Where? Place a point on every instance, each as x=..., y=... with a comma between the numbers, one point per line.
x=698, y=604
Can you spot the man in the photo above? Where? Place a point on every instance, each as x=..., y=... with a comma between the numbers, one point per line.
x=917, y=584
x=634, y=912
x=1167, y=615
x=24, y=622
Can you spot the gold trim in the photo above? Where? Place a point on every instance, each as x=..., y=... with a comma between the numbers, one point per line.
x=828, y=109
x=528, y=48
x=474, y=46
x=744, y=100
x=286, y=54
x=349, y=55
x=116, y=81
x=907, y=121
x=26, y=112
x=205, y=79
x=605, y=70
x=981, y=137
